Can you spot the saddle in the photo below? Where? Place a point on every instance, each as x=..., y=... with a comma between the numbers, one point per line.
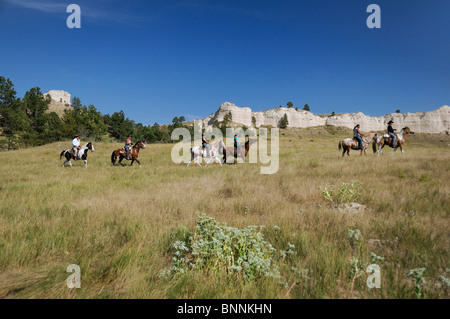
x=389, y=139
x=123, y=151
x=72, y=155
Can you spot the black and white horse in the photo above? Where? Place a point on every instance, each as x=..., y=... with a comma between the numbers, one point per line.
x=82, y=154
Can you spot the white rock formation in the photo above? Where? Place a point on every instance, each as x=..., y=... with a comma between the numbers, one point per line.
x=59, y=96
x=60, y=101
x=437, y=121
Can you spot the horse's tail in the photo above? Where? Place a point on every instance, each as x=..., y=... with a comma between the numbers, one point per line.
x=113, y=155
x=61, y=155
x=374, y=146
x=340, y=145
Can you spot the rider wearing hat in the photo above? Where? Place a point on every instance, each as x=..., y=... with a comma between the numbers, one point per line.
x=391, y=133
x=76, y=146
x=128, y=143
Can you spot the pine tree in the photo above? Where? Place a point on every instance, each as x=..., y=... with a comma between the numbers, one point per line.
x=284, y=122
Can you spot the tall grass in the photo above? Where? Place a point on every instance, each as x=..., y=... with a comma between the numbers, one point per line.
x=119, y=223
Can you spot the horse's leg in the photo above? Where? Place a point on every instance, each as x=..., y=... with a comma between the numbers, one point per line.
x=207, y=163
x=85, y=163
x=192, y=158
x=198, y=160
x=242, y=155
x=138, y=162
x=218, y=161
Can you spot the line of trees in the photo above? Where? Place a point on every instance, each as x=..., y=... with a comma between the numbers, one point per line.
x=27, y=122
x=291, y=105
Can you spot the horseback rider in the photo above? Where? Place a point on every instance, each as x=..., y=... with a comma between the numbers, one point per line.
x=76, y=146
x=391, y=132
x=128, y=143
x=357, y=135
x=205, y=145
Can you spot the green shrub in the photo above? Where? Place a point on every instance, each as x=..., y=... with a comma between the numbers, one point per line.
x=218, y=247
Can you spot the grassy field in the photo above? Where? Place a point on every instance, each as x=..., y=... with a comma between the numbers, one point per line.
x=119, y=223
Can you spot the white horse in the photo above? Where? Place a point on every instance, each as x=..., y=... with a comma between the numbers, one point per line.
x=197, y=152
x=82, y=154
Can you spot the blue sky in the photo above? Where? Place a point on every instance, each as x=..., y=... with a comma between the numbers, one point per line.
x=160, y=59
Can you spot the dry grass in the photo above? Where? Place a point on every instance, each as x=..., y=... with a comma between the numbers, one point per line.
x=118, y=223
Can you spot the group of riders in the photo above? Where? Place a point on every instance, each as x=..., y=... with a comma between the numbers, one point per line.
x=357, y=135
x=76, y=147
x=206, y=145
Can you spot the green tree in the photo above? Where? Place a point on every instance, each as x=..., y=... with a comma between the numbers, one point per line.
x=397, y=111
x=35, y=105
x=289, y=105
x=306, y=107
x=228, y=118
x=254, y=121
x=284, y=122
x=69, y=127
x=178, y=121
x=119, y=126
x=86, y=121
x=53, y=128
x=12, y=115
x=76, y=102
x=333, y=113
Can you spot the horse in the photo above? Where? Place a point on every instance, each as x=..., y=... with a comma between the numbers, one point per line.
x=82, y=154
x=352, y=144
x=197, y=152
x=121, y=153
x=383, y=140
x=231, y=151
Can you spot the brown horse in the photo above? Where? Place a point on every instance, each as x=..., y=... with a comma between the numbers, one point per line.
x=384, y=140
x=352, y=144
x=243, y=151
x=121, y=153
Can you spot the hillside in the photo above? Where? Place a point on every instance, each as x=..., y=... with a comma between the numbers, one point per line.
x=437, y=121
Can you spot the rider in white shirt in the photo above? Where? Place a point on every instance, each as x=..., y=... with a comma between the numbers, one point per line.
x=76, y=146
